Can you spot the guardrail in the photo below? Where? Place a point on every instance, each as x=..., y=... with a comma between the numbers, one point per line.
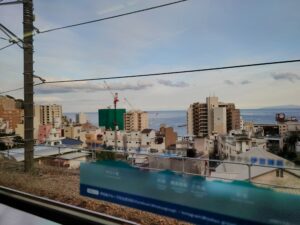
x=183, y=160
x=56, y=211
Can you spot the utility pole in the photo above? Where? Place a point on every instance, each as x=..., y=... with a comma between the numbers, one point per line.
x=28, y=82
x=116, y=99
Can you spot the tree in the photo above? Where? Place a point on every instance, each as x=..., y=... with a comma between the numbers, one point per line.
x=105, y=156
x=289, y=147
x=291, y=141
x=3, y=146
x=18, y=142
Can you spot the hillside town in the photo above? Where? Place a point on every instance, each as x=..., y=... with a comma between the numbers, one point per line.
x=216, y=131
x=149, y=112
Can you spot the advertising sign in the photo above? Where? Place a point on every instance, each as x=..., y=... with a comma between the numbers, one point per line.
x=186, y=197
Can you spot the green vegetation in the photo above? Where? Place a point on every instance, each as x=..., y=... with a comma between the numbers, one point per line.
x=289, y=149
x=11, y=142
x=105, y=156
x=3, y=146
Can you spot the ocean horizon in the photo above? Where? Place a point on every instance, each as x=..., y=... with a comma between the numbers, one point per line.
x=177, y=118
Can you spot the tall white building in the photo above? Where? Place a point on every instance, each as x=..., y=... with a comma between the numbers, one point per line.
x=212, y=104
x=136, y=120
x=212, y=117
x=219, y=120
x=81, y=118
x=190, y=121
x=51, y=114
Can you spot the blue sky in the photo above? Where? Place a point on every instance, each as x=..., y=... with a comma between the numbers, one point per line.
x=190, y=35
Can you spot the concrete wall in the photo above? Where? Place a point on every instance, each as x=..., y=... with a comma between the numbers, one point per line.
x=288, y=179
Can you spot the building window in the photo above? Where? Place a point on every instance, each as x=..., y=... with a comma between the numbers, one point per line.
x=279, y=173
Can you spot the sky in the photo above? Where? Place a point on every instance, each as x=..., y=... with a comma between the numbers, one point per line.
x=190, y=35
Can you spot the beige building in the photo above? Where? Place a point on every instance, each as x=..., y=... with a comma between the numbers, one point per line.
x=136, y=121
x=288, y=126
x=212, y=117
x=81, y=118
x=51, y=114
x=36, y=123
x=219, y=120
x=72, y=132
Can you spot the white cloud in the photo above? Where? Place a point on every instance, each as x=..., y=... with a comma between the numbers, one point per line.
x=47, y=99
x=171, y=83
x=228, y=82
x=61, y=88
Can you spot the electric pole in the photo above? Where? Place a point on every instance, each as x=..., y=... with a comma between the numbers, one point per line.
x=116, y=99
x=28, y=82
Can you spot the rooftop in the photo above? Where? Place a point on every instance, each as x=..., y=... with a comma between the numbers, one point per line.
x=146, y=131
x=256, y=156
x=71, y=141
x=39, y=152
x=73, y=155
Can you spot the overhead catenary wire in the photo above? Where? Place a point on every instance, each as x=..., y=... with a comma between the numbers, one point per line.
x=112, y=17
x=6, y=46
x=13, y=38
x=2, y=38
x=175, y=72
x=96, y=20
x=162, y=73
x=11, y=3
x=17, y=89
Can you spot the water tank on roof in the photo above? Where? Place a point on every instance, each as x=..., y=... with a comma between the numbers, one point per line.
x=280, y=117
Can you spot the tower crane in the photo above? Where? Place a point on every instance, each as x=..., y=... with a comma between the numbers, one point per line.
x=115, y=100
x=130, y=105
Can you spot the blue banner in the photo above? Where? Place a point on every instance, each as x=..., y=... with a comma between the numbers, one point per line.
x=186, y=197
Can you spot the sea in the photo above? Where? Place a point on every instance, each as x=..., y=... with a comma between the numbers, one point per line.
x=178, y=118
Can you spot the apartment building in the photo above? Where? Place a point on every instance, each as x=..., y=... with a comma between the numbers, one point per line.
x=10, y=111
x=169, y=136
x=212, y=117
x=72, y=132
x=197, y=117
x=51, y=114
x=136, y=120
x=128, y=141
x=36, y=124
x=233, y=144
x=81, y=118
x=233, y=117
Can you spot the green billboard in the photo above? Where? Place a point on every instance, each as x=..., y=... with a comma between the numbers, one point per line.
x=106, y=118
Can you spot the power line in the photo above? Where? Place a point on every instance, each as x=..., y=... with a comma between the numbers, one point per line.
x=112, y=17
x=12, y=37
x=6, y=46
x=161, y=73
x=97, y=20
x=19, y=40
x=11, y=3
x=2, y=38
x=175, y=72
x=17, y=89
